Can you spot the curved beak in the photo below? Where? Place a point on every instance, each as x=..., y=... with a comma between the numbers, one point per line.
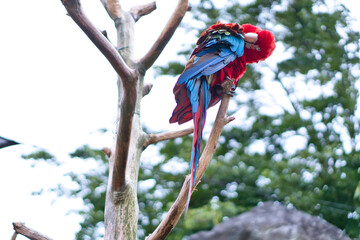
x=250, y=37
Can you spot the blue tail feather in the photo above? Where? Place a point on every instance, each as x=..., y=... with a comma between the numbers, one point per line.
x=200, y=96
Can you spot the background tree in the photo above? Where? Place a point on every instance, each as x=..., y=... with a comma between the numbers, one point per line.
x=295, y=137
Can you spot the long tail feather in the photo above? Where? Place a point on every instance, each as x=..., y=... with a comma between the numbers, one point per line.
x=199, y=117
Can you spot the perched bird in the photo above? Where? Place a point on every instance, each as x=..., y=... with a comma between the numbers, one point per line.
x=219, y=60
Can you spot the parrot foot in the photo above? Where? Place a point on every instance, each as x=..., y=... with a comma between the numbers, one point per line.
x=226, y=87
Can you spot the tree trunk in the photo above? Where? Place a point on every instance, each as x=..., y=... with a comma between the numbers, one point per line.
x=121, y=207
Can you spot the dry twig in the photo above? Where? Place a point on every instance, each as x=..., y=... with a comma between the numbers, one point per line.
x=139, y=11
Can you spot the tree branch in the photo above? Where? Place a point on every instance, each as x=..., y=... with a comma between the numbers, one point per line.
x=127, y=111
x=139, y=11
x=112, y=7
x=29, y=233
x=75, y=11
x=13, y=237
x=107, y=152
x=176, y=210
x=153, y=138
x=148, y=60
x=147, y=88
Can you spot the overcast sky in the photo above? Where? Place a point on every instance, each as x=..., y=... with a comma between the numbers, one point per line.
x=56, y=91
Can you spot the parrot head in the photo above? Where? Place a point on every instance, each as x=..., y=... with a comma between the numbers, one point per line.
x=260, y=43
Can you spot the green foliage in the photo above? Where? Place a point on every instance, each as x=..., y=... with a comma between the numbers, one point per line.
x=41, y=155
x=85, y=152
x=172, y=68
x=91, y=188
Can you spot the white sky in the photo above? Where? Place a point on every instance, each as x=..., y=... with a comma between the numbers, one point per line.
x=56, y=89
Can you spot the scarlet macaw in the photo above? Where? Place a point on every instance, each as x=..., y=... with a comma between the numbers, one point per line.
x=221, y=55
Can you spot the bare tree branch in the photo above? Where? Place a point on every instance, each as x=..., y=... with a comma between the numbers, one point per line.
x=148, y=60
x=153, y=138
x=13, y=237
x=123, y=138
x=74, y=9
x=138, y=11
x=107, y=151
x=147, y=88
x=29, y=233
x=114, y=8
x=104, y=32
x=176, y=210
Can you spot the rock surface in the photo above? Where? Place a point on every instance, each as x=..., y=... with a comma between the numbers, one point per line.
x=272, y=221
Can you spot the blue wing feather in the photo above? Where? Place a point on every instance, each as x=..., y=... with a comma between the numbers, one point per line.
x=216, y=54
x=202, y=63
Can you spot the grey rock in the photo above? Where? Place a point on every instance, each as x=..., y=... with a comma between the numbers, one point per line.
x=272, y=221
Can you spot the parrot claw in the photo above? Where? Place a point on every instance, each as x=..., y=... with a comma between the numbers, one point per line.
x=227, y=87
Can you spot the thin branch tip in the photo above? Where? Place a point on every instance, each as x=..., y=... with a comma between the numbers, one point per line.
x=229, y=119
x=147, y=88
x=104, y=32
x=107, y=151
x=142, y=10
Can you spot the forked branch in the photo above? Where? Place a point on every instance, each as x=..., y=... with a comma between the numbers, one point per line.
x=148, y=60
x=75, y=11
x=176, y=210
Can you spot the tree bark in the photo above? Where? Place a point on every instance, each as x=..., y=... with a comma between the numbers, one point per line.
x=20, y=228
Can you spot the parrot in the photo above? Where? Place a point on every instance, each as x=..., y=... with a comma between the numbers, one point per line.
x=218, y=61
